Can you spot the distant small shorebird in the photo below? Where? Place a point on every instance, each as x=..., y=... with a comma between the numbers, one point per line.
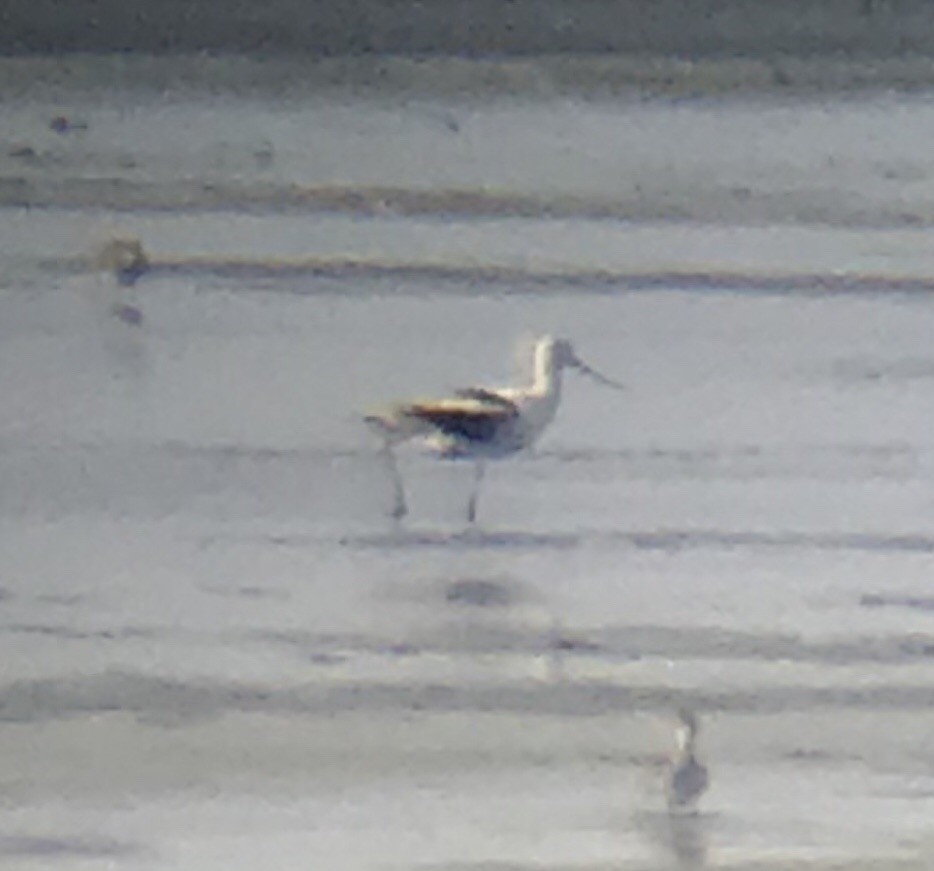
x=686, y=779
x=125, y=257
x=482, y=423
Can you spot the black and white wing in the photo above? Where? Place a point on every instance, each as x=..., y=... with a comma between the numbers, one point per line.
x=470, y=418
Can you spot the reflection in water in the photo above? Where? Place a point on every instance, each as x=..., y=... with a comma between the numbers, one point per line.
x=481, y=592
x=683, y=838
x=469, y=540
x=491, y=614
x=52, y=847
x=483, y=614
x=687, y=839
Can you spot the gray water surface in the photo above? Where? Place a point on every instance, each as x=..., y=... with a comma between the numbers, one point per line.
x=219, y=652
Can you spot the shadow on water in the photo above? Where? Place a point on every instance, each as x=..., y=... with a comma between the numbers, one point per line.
x=245, y=592
x=482, y=592
x=650, y=539
x=669, y=539
x=895, y=600
x=49, y=847
x=696, y=539
x=474, y=613
x=471, y=539
x=465, y=591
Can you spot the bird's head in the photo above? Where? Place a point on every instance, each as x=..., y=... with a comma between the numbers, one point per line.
x=560, y=351
x=561, y=354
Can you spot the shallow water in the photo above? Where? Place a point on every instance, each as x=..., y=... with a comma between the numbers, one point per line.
x=218, y=651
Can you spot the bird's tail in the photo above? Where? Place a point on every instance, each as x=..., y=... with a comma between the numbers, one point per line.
x=397, y=424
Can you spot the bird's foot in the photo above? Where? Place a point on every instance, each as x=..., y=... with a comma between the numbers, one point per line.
x=399, y=511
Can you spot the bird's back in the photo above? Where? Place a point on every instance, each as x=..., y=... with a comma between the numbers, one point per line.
x=687, y=781
x=475, y=422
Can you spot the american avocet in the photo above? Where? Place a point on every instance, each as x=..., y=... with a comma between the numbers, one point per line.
x=686, y=779
x=481, y=423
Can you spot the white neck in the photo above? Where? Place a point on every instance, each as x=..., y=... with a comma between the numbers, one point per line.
x=684, y=740
x=539, y=402
x=547, y=372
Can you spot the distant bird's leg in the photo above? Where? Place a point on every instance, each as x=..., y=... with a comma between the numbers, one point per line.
x=399, y=509
x=479, y=469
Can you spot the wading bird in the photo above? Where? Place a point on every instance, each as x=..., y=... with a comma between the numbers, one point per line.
x=481, y=423
x=686, y=779
x=125, y=257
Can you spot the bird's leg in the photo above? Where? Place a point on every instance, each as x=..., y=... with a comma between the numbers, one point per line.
x=399, y=509
x=479, y=469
